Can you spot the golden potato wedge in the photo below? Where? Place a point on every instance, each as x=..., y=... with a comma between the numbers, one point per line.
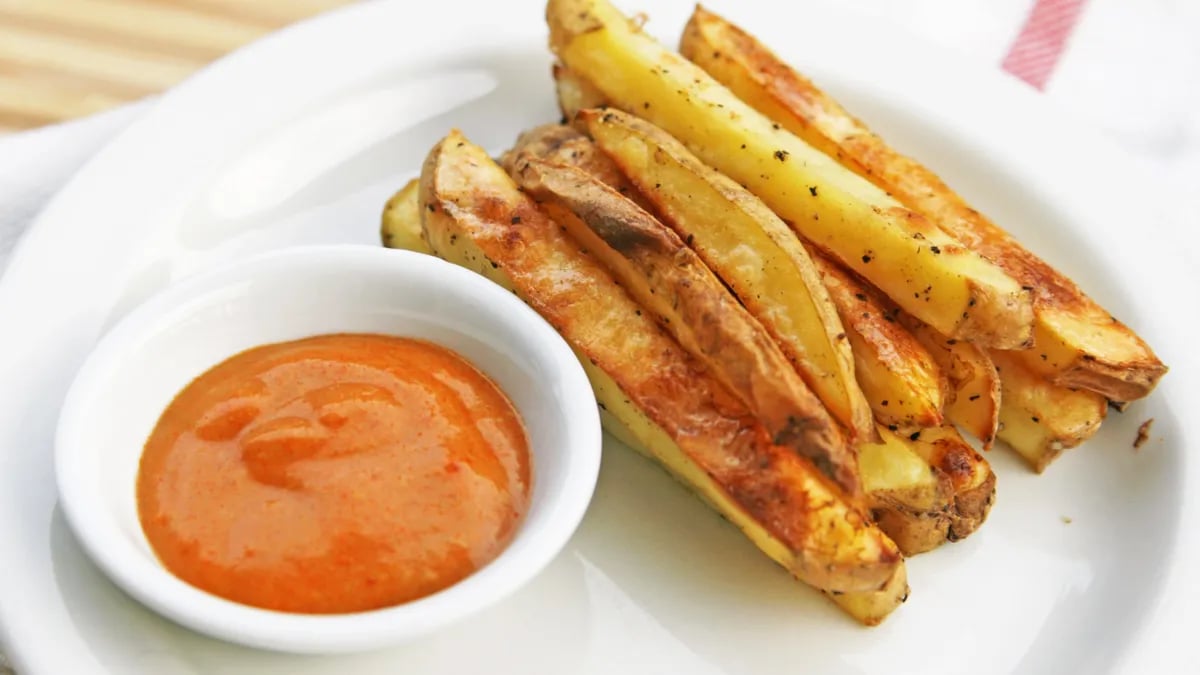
x=401, y=226
x=1040, y=419
x=973, y=397
x=670, y=280
x=1084, y=346
x=474, y=215
x=924, y=270
x=903, y=383
x=748, y=248
x=574, y=93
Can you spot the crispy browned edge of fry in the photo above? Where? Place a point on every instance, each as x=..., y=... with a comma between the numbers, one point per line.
x=970, y=474
x=792, y=100
x=649, y=257
x=970, y=482
x=679, y=396
x=851, y=407
x=917, y=518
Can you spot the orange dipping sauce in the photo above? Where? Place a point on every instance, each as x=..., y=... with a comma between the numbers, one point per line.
x=339, y=473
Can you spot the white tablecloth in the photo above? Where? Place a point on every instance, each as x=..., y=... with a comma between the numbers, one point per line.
x=1131, y=69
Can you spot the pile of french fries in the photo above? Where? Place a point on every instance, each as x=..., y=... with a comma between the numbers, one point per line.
x=790, y=316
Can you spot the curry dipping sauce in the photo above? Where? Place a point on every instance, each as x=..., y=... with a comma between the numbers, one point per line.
x=339, y=473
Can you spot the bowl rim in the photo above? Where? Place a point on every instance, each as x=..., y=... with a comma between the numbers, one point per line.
x=148, y=581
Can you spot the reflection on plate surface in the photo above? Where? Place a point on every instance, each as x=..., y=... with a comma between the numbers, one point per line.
x=279, y=167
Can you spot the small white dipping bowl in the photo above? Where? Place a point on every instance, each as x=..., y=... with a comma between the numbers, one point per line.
x=140, y=365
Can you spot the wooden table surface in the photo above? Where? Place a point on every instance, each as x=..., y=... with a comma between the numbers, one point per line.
x=62, y=59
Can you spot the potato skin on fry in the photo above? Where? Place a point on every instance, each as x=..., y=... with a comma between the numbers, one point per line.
x=911, y=500
x=474, y=215
x=1084, y=346
x=915, y=532
x=898, y=251
x=668, y=278
x=748, y=247
x=951, y=509
x=560, y=144
x=970, y=476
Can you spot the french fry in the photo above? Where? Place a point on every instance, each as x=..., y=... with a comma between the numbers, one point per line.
x=903, y=383
x=1039, y=419
x=910, y=500
x=924, y=270
x=560, y=144
x=1078, y=343
x=872, y=608
x=973, y=396
x=669, y=279
x=970, y=476
x=401, y=223
x=574, y=93
x=474, y=215
x=749, y=248
x=894, y=366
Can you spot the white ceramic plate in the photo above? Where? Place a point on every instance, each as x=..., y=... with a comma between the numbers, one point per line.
x=300, y=139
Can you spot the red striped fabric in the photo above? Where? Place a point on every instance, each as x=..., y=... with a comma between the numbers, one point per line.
x=1038, y=46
